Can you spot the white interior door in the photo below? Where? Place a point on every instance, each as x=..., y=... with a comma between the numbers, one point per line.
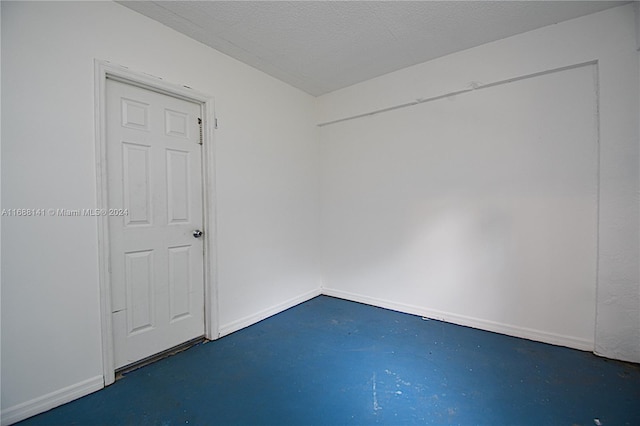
x=154, y=166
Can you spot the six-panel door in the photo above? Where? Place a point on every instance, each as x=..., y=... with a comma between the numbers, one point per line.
x=154, y=161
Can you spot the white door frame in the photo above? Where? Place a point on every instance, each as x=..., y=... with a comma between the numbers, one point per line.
x=104, y=70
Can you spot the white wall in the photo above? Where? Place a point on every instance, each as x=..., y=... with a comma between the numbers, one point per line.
x=480, y=206
x=637, y=16
x=268, y=205
x=266, y=173
x=0, y=203
x=493, y=208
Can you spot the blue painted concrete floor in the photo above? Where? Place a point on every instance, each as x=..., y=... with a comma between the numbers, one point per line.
x=334, y=362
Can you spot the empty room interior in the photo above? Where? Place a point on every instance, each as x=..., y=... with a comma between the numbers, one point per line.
x=324, y=212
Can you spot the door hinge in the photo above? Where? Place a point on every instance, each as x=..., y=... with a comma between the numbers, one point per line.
x=200, y=125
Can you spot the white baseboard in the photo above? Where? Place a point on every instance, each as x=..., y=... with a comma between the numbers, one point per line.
x=266, y=313
x=54, y=399
x=482, y=324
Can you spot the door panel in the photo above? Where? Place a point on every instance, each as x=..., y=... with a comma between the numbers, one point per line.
x=178, y=188
x=139, y=291
x=136, y=184
x=179, y=282
x=154, y=163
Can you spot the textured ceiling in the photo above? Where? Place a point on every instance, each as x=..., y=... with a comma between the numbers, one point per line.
x=322, y=46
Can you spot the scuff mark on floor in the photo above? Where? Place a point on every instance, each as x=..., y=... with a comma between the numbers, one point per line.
x=398, y=379
x=376, y=406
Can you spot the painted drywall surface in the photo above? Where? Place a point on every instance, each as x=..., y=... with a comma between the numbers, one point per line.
x=469, y=206
x=637, y=14
x=606, y=38
x=0, y=199
x=266, y=177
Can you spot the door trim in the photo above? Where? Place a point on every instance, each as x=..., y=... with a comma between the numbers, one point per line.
x=104, y=70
